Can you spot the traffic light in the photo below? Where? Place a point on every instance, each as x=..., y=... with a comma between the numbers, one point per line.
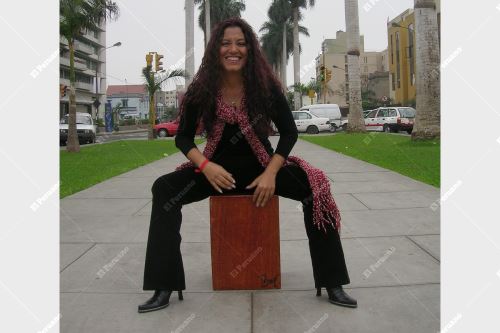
x=62, y=90
x=328, y=75
x=158, y=63
x=322, y=73
x=149, y=59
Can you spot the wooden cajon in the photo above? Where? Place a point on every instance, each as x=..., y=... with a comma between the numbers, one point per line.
x=245, y=243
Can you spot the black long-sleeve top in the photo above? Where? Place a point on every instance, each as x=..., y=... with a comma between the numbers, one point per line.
x=233, y=142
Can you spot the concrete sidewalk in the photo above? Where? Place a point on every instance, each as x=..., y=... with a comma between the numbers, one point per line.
x=390, y=239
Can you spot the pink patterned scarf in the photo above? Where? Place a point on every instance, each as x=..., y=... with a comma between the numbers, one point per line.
x=324, y=207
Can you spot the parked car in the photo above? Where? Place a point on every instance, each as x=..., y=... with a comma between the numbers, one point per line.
x=85, y=128
x=391, y=119
x=309, y=123
x=169, y=128
x=330, y=111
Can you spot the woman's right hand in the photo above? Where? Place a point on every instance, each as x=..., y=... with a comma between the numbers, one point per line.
x=218, y=177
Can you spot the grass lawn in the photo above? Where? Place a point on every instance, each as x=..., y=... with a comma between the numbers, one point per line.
x=418, y=160
x=96, y=163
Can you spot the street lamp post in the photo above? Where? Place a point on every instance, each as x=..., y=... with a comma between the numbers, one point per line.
x=96, y=101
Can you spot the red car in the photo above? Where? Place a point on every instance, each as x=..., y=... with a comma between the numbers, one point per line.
x=170, y=128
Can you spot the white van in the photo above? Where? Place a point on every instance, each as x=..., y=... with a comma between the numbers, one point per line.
x=330, y=111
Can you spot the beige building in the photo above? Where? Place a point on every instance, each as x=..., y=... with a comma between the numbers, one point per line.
x=335, y=60
x=88, y=60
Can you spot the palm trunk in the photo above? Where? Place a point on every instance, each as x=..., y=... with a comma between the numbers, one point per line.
x=356, y=122
x=189, y=64
x=208, y=27
x=151, y=116
x=427, y=119
x=296, y=57
x=72, y=145
x=283, y=57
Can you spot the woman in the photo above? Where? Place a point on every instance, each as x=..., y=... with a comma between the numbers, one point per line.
x=235, y=96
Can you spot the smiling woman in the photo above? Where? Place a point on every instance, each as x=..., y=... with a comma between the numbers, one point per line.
x=235, y=95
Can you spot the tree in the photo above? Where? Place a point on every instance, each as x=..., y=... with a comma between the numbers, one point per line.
x=189, y=56
x=75, y=18
x=296, y=6
x=280, y=14
x=153, y=83
x=428, y=91
x=219, y=10
x=272, y=38
x=356, y=122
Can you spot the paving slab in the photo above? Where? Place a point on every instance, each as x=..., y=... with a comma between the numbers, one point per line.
x=430, y=243
x=396, y=199
x=101, y=207
x=198, y=312
x=119, y=187
x=390, y=222
x=392, y=309
x=71, y=252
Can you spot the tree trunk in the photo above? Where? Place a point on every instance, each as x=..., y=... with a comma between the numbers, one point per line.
x=356, y=121
x=427, y=119
x=283, y=57
x=151, y=117
x=296, y=58
x=72, y=145
x=189, y=64
x=208, y=27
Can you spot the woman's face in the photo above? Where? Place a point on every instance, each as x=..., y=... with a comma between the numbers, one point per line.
x=233, y=51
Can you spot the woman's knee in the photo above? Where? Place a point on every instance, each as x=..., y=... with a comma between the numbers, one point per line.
x=164, y=184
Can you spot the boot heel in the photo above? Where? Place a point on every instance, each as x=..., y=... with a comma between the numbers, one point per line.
x=318, y=291
x=180, y=295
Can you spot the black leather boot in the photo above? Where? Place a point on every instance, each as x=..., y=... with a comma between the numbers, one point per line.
x=338, y=296
x=160, y=300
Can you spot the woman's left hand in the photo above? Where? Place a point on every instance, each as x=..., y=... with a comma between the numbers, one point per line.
x=265, y=183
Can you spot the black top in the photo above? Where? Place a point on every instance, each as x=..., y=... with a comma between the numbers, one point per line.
x=233, y=142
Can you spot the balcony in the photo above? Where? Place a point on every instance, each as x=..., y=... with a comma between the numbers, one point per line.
x=83, y=86
x=79, y=65
x=90, y=37
x=83, y=48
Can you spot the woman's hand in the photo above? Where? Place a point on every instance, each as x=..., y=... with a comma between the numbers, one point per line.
x=265, y=183
x=218, y=177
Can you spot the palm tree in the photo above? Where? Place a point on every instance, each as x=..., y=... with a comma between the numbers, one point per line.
x=218, y=11
x=428, y=90
x=189, y=63
x=153, y=83
x=272, y=42
x=296, y=5
x=75, y=17
x=356, y=122
x=280, y=13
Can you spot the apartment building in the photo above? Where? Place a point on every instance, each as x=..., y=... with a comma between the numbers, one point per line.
x=335, y=59
x=89, y=59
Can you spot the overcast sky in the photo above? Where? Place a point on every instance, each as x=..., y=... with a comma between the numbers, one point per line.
x=155, y=25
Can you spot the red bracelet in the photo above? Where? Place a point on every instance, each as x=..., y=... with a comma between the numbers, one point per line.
x=202, y=165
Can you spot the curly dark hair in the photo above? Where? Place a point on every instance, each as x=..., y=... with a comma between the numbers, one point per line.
x=258, y=77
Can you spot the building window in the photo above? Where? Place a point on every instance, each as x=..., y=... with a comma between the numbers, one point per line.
x=393, y=81
x=125, y=103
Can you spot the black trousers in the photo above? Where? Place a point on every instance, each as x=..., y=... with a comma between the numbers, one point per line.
x=164, y=268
